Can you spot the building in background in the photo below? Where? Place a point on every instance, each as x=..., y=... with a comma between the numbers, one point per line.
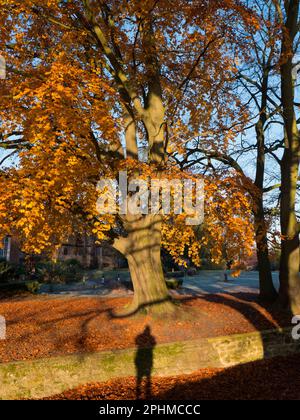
x=4, y=250
x=10, y=250
x=82, y=248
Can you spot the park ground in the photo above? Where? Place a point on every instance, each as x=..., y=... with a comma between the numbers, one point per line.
x=50, y=325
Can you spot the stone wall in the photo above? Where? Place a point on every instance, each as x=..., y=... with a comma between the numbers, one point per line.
x=45, y=377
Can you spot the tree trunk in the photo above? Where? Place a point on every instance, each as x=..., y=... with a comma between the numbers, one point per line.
x=150, y=291
x=266, y=287
x=142, y=248
x=289, y=292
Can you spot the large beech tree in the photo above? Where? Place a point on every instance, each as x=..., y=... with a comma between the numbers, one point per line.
x=95, y=87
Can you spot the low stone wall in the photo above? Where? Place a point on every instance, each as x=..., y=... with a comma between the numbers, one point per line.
x=45, y=377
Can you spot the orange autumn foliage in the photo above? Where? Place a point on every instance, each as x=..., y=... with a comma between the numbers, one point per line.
x=82, y=75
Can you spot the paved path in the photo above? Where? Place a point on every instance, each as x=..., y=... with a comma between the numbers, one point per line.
x=209, y=282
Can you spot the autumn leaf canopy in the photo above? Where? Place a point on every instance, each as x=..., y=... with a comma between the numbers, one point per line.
x=88, y=83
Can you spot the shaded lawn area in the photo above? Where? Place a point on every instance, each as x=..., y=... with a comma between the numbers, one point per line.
x=276, y=379
x=39, y=327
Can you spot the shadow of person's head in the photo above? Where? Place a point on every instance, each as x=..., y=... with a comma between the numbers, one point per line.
x=145, y=339
x=147, y=330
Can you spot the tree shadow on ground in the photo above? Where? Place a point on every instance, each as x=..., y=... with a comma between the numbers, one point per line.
x=276, y=379
x=39, y=328
x=246, y=381
x=243, y=303
x=272, y=379
x=74, y=331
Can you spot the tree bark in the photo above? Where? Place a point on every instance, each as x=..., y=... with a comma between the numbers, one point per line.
x=289, y=292
x=142, y=247
x=267, y=290
x=266, y=287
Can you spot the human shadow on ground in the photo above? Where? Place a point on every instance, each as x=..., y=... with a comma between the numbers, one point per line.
x=145, y=343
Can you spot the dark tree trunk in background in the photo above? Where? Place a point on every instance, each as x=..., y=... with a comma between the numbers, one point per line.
x=266, y=288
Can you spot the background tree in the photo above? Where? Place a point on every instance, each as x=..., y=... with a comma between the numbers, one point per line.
x=288, y=16
x=270, y=88
x=257, y=87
